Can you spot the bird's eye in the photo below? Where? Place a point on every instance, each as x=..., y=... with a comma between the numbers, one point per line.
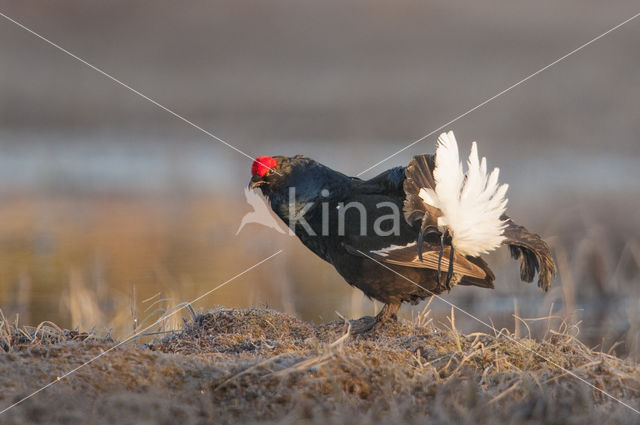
x=271, y=171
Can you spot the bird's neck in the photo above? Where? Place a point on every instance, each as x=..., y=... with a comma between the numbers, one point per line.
x=305, y=189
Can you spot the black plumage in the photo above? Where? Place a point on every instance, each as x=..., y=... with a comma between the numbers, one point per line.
x=357, y=248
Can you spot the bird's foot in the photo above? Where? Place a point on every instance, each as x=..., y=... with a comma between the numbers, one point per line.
x=362, y=325
x=368, y=323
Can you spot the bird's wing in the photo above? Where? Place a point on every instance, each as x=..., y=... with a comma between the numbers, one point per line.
x=388, y=182
x=407, y=256
x=535, y=253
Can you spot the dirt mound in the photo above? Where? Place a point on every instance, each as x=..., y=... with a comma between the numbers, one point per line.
x=258, y=365
x=251, y=331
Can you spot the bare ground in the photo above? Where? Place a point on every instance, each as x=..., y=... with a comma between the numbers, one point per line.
x=259, y=365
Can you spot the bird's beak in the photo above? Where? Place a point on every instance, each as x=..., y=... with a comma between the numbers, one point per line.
x=256, y=181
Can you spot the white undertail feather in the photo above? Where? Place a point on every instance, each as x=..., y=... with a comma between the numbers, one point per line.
x=385, y=251
x=471, y=204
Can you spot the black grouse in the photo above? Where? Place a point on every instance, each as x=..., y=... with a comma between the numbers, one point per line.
x=408, y=233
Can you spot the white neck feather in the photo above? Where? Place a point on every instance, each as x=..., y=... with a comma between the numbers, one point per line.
x=471, y=204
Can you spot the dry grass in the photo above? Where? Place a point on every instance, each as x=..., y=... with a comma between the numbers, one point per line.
x=93, y=260
x=78, y=261
x=242, y=366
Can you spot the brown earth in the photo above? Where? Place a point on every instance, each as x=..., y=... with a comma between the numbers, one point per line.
x=258, y=365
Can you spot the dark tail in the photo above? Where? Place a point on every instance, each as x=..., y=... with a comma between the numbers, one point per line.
x=535, y=254
x=418, y=174
x=487, y=282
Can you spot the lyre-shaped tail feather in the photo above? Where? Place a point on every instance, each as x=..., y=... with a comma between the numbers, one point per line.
x=418, y=175
x=535, y=254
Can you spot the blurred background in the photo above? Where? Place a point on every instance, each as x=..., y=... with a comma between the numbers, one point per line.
x=112, y=210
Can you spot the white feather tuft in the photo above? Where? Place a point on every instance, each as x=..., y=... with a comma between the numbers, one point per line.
x=385, y=251
x=471, y=204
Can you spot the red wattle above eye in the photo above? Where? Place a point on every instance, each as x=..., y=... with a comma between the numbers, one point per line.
x=262, y=164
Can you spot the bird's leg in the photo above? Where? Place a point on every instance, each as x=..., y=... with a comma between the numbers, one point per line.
x=388, y=313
